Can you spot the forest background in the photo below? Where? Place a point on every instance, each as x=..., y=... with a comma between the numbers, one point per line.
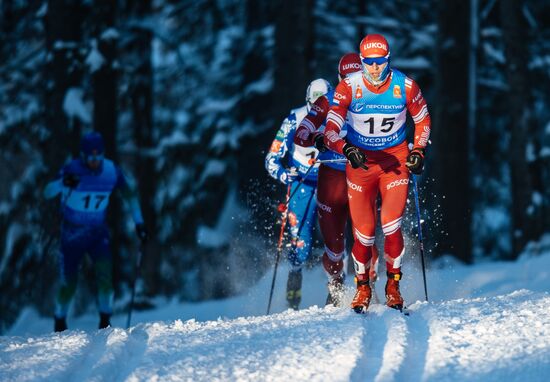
x=189, y=95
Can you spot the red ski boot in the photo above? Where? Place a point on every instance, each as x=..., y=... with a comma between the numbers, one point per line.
x=361, y=300
x=393, y=296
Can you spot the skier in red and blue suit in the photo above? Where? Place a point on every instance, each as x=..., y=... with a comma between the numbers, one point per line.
x=373, y=105
x=289, y=163
x=332, y=193
x=85, y=185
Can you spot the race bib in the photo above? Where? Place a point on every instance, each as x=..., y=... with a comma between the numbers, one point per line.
x=303, y=155
x=86, y=201
x=377, y=125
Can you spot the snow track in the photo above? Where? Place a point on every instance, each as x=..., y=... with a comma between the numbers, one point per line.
x=498, y=333
x=416, y=345
x=304, y=345
x=484, y=339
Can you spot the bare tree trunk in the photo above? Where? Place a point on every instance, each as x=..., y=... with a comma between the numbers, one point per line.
x=105, y=77
x=141, y=94
x=63, y=39
x=362, y=9
x=7, y=20
x=293, y=54
x=526, y=213
x=448, y=157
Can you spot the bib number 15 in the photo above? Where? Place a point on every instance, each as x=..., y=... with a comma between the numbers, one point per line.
x=385, y=126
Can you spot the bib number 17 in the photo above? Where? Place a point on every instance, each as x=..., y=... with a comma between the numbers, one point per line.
x=93, y=201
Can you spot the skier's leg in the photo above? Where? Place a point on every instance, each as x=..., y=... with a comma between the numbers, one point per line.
x=393, y=190
x=301, y=221
x=333, y=212
x=103, y=267
x=362, y=192
x=70, y=255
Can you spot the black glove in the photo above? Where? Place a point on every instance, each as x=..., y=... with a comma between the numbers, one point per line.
x=319, y=143
x=356, y=157
x=71, y=180
x=415, y=161
x=142, y=233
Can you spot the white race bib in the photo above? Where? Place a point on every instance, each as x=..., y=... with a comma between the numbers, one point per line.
x=377, y=125
x=303, y=155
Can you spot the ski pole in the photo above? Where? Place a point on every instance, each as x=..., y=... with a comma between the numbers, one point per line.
x=137, y=267
x=279, y=250
x=417, y=204
x=339, y=160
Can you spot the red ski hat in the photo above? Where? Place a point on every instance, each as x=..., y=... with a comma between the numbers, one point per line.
x=349, y=63
x=374, y=45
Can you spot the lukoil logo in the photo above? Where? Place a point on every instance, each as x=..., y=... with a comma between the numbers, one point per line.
x=380, y=45
x=316, y=108
x=354, y=186
x=324, y=207
x=353, y=65
x=399, y=182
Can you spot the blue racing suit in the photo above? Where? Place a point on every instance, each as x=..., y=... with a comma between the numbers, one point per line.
x=302, y=207
x=84, y=229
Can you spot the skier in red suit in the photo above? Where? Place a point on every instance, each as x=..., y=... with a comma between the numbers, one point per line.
x=372, y=105
x=332, y=196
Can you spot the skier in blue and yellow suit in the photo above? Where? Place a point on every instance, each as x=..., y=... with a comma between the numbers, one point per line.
x=85, y=185
x=302, y=207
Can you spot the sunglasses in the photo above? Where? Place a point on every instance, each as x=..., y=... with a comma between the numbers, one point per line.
x=377, y=60
x=94, y=158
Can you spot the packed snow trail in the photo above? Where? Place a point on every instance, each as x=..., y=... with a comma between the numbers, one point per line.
x=483, y=339
x=488, y=322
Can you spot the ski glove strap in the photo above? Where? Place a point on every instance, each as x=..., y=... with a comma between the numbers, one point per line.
x=355, y=156
x=415, y=161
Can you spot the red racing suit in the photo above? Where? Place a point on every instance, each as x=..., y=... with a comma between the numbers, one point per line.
x=332, y=191
x=375, y=121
